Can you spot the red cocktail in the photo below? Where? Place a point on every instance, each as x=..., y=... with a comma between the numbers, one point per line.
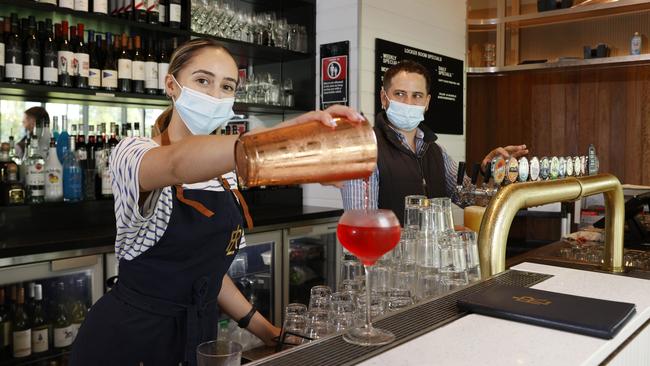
x=368, y=234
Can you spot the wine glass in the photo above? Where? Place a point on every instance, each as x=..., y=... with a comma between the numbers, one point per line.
x=368, y=234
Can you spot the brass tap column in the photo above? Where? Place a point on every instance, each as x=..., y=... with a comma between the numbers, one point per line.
x=503, y=207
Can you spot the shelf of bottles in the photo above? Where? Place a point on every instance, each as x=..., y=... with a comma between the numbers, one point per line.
x=40, y=319
x=118, y=51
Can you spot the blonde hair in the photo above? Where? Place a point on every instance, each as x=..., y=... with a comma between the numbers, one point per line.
x=179, y=58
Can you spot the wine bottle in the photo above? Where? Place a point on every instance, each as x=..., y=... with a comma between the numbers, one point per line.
x=3, y=34
x=175, y=15
x=73, y=47
x=40, y=326
x=81, y=59
x=162, y=11
x=81, y=5
x=153, y=17
x=50, y=68
x=94, y=51
x=109, y=68
x=82, y=149
x=140, y=11
x=124, y=66
x=65, y=56
x=66, y=4
x=14, y=53
x=138, y=67
x=5, y=327
x=61, y=322
x=113, y=8
x=100, y=6
x=151, y=69
x=32, y=62
x=163, y=66
x=22, y=330
x=128, y=9
x=79, y=308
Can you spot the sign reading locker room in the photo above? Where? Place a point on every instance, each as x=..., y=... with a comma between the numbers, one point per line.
x=334, y=74
x=445, y=114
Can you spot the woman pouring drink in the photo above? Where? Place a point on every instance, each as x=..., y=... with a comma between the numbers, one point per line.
x=179, y=221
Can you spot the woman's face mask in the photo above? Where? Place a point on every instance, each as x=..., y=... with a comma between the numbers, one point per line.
x=404, y=116
x=202, y=113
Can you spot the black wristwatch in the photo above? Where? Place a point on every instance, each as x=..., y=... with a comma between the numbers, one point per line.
x=243, y=322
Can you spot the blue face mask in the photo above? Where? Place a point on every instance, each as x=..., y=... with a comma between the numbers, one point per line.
x=202, y=113
x=405, y=116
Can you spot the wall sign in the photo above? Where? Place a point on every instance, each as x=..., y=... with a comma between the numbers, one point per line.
x=445, y=114
x=334, y=74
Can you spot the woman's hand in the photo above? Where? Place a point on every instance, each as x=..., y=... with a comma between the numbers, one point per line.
x=506, y=152
x=272, y=341
x=327, y=116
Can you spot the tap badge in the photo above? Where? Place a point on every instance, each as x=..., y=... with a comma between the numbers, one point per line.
x=534, y=168
x=569, y=166
x=513, y=170
x=524, y=169
x=576, y=166
x=554, y=172
x=545, y=168
x=561, y=171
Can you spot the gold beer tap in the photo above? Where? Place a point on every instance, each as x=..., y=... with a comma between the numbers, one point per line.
x=503, y=207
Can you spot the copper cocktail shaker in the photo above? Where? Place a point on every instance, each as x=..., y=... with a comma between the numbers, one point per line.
x=306, y=153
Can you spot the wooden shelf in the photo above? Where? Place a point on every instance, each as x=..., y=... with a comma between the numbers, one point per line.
x=40, y=9
x=562, y=64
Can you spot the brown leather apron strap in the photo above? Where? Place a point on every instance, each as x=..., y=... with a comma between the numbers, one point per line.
x=242, y=202
x=164, y=140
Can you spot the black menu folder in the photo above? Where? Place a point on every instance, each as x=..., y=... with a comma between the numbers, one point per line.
x=577, y=314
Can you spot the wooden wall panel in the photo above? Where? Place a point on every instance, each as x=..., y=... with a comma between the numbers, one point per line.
x=560, y=112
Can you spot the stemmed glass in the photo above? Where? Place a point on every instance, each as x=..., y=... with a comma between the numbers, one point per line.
x=368, y=234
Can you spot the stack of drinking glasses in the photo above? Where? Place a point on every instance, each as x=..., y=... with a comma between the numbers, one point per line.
x=231, y=19
x=265, y=88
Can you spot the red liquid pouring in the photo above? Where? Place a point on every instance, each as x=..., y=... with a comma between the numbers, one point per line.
x=368, y=243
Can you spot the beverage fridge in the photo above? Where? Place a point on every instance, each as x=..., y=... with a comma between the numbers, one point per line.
x=42, y=305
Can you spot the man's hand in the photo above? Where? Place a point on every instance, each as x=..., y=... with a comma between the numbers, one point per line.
x=506, y=152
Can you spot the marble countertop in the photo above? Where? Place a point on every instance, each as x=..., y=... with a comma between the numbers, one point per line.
x=482, y=340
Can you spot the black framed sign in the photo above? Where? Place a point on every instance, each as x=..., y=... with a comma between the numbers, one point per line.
x=334, y=73
x=445, y=114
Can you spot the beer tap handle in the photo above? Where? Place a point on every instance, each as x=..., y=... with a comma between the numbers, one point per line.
x=475, y=170
x=460, y=174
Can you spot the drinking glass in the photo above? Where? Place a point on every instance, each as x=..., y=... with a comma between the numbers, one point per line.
x=453, y=262
x=398, y=299
x=296, y=309
x=412, y=211
x=294, y=324
x=321, y=298
x=219, y=353
x=318, y=323
x=368, y=234
x=473, y=262
x=352, y=275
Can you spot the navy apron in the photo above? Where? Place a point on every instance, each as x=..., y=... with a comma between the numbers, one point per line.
x=165, y=302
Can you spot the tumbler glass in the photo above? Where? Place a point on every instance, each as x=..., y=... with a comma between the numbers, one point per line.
x=219, y=353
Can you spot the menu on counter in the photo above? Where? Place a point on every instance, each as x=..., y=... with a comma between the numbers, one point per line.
x=445, y=113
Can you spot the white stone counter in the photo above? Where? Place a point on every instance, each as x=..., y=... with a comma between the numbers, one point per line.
x=482, y=340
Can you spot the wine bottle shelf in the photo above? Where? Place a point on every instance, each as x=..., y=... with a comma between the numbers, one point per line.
x=251, y=50
x=83, y=17
x=38, y=359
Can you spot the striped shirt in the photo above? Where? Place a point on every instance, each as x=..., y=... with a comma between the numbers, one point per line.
x=353, y=191
x=141, y=227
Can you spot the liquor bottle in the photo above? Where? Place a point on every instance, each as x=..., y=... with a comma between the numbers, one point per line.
x=89, y=184
x=124, y=66
x=79, y=308
x=40, y=326
x=163, y=66
x=44, y=139
x=82, y=149
x=62, y=142
x=61, y=322
x=50, y=56
x=66, y=4
x=81, y=5
x=175, y=16
x=21, y=328
x=100, y=6
x=81, y=58
x=13, y=53
x=35, y=179
x=29, y=298
x=53, y=176
x=106, y=189
x=55, y=127
x=13, y=298
x=113, y=141
x=162, y=11
x=14, y=190
x=139, y=11
x=153, y=16
x=5, y=328
x=32, y=55
x=136, y=129
x=8, y=175
x=94, y=71
x=3, y=35
x=65, y=57
x=109, y=68
x=151, y=70
x=138, y=67
x=72, y=175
